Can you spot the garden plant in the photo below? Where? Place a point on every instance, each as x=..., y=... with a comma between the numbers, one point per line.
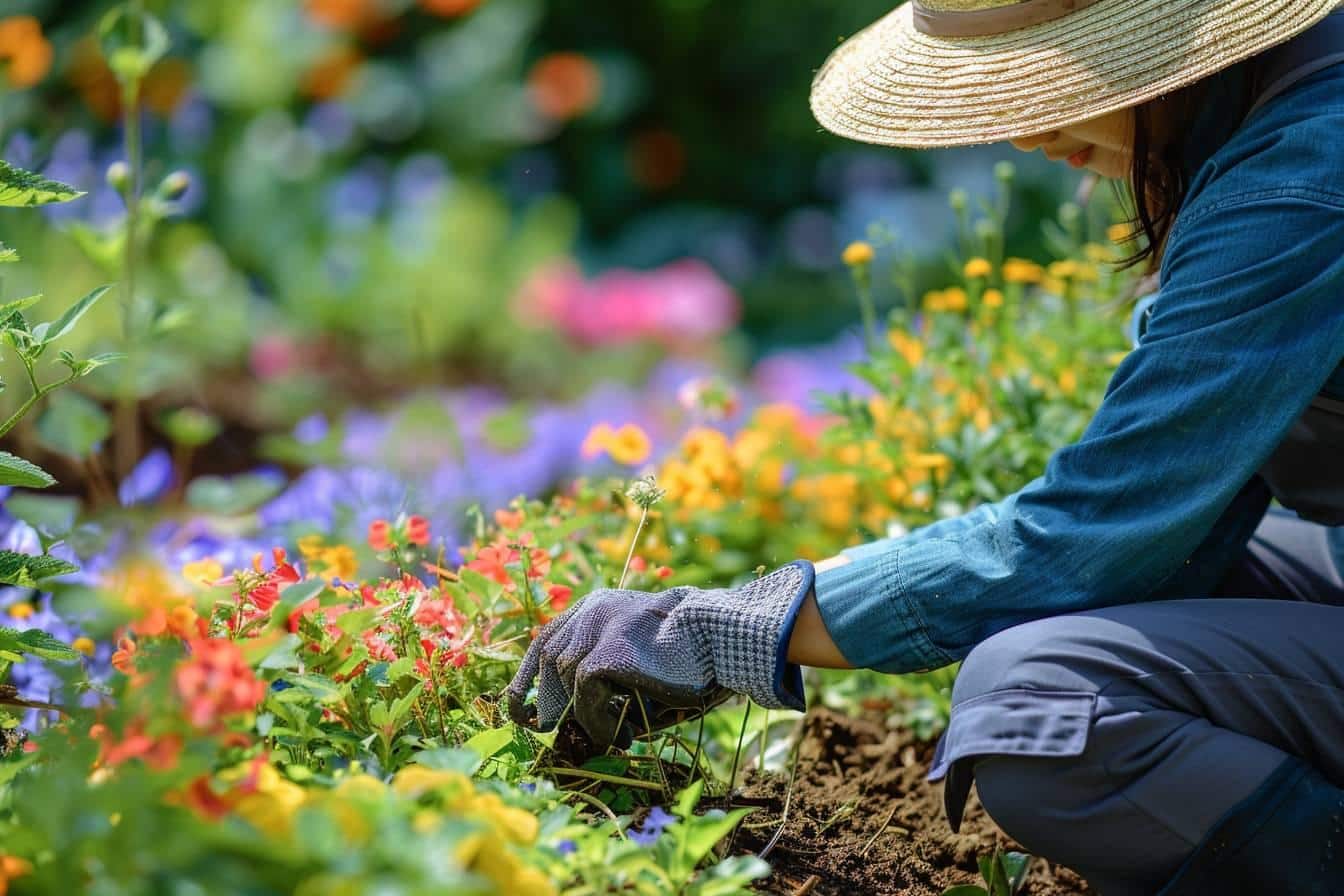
x=284, y=674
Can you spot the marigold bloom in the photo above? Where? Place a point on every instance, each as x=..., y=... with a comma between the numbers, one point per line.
x=84, y=645
x=216, y=681
x=858, y=254
x=1068, y=381
x=21, y=611
x=1020, y=270
x=204, y=572
x=25, y=54
x=907, y=347
x=978, y=267
x=629, y=445
x=992, y=298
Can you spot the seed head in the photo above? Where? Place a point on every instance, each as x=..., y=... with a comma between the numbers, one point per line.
x=645, y=492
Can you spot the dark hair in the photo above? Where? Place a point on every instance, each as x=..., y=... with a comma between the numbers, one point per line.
x=1159, y=176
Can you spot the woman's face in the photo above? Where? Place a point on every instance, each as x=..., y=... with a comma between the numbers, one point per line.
x=1103, y=144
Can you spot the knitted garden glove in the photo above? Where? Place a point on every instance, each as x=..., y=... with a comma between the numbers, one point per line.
x=682, y=651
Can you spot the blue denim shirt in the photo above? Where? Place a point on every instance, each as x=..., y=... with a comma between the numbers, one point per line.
x=1159, y=495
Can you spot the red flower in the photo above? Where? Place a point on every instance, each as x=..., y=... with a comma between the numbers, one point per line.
x=159, y=753
x=379, y=530
x=215, y=681
x=664, y=572
x=264, y=595
x=560, y=595
x=123, y=659
x=417, y=530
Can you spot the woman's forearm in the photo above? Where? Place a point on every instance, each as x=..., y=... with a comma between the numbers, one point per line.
x=811, y=644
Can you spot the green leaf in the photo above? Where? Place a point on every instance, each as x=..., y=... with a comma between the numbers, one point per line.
x=7, y=254
x=20, y=188
x=450, y=759
x=26, y=570
x=285, y=655
x=73, y=425
x=17, y=471
x=66, y=322
x=489, y=742
x=236, y=494
x=8, y=309
x=39, y=643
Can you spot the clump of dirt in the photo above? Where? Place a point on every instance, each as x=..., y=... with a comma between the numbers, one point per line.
x=863, y=821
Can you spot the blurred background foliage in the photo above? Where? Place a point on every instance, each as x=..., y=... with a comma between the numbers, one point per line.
x=387, y=194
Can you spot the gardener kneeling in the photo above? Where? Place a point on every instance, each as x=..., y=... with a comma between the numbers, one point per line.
x=1153, y=685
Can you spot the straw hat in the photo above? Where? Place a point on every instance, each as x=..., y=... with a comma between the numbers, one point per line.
x=955, y=72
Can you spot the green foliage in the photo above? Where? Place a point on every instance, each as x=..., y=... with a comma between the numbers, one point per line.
x=17, y=471
x=36, y=642
x=26, y=570
x=1004, y=872
x=20, y=188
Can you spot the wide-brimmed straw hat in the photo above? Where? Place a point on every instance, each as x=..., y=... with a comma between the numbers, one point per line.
x=956, y=72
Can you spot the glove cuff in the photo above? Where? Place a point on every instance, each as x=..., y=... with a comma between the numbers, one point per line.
x=750, y=642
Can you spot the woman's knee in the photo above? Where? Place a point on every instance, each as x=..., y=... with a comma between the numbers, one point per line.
x=1054, y=654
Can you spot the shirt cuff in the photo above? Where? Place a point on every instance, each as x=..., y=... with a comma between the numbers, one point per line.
x=869, y=616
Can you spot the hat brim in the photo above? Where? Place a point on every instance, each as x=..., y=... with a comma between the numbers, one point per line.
x=892, y=85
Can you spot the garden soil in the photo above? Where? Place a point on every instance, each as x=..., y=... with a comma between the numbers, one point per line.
x=863, y=821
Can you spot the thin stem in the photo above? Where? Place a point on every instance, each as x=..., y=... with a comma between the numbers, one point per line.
x=128, y=424
x=741, y=736
x=644, y=515
x=600, y=776
x=32, y=400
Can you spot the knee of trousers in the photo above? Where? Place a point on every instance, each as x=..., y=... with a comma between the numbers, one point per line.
x=1028, y=693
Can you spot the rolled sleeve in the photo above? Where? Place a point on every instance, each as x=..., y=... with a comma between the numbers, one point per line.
x=1246, y=328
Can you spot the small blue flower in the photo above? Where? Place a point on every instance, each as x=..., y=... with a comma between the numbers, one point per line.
x=148, y=480
x=566, y=847
x=645, y=838
x=658, y=820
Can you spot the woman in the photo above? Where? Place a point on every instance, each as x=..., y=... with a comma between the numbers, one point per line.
x=1153, y=685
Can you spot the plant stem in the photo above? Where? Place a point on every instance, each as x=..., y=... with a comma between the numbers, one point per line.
x=644, y=515
x=32, y=400
x=128, y=423
x=600, y=776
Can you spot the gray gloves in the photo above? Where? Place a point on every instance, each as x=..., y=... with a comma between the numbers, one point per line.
x=682, y=651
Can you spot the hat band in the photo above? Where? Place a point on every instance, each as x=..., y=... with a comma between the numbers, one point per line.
x=996, y=20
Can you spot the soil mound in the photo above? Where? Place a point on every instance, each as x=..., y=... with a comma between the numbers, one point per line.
x=863, y=821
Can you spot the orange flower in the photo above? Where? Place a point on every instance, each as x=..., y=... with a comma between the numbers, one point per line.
x=25, y=54
x=331, y=74
x=417, y=530
x=449, y=9
x=12, y=868
x=564, y=85
x=216, y=681
x=509, y=519
x=379, y=530
x=123, y=658
x=346, y=14
x=158, y=752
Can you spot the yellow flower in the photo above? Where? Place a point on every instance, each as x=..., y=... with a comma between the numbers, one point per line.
x=1068, y=381
x=907, y=346
x=416, y=780
x=1096, y=253
x=270, y=808
x=1063, y=269
x=858, y=254
x=84, y=645
x=929, y=461
x=955, y=297
x=981, y=419
x=1020, y=270
x=21, y=611
x=1120, y=233
x=628, y=445
x=204, y=572
x=978, y=267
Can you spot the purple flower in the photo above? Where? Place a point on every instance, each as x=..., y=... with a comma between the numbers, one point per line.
x=311, y=429
x=148, y=480
x=566, y=847
x=657, y=821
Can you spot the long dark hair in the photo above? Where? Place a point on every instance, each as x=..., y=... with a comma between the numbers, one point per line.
x=1159, y=177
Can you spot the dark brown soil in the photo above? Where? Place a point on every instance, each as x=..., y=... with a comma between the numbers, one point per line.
x=864, y=821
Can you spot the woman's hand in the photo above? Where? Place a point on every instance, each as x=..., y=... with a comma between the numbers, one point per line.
x=681, y=651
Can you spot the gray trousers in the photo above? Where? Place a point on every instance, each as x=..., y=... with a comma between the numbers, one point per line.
x=1112, y=741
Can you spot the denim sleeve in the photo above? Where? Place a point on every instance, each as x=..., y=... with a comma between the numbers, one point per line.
x=1158, y=493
